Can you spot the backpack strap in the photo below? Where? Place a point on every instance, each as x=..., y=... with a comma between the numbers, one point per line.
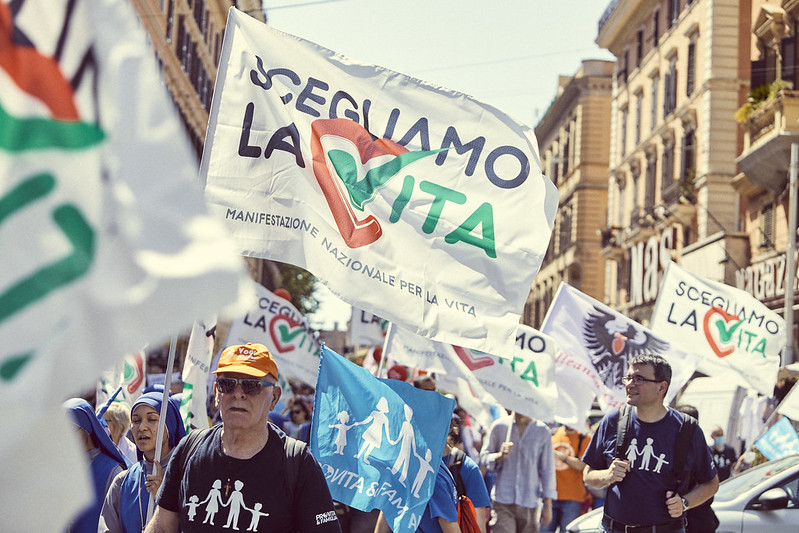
x=458, y=456
x=294, y=450
x=681, y=449
x=623, y=431
x=192, y=441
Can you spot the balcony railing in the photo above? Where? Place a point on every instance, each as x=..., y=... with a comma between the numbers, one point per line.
x=606, y=15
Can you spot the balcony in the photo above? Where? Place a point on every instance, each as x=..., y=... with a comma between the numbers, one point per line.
x=679, y=200
x=769, y=131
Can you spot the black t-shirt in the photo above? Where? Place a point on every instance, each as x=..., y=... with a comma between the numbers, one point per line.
x=724, y=460
x=221, y=493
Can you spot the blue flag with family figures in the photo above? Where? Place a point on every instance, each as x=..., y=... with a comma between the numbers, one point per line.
x=379, y=441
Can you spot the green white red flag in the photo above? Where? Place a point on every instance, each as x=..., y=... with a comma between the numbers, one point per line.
x=106, y=241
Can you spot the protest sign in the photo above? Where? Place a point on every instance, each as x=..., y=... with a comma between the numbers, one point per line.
x=421, y=204
x=731, y=332
x=597, y=342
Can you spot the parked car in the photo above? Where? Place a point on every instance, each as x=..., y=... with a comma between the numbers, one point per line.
x=763, y=499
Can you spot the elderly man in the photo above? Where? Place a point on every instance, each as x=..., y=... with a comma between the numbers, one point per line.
x=243, y=474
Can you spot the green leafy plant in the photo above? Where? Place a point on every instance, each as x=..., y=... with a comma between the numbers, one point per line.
x=760, y=96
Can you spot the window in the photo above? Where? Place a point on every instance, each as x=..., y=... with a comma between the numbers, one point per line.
x=639, y=47
x=651, y=179
x=670, y=88
x=655, y=27
x=654, y=97
x=789, y=63
x=635, y=210
x=620, y=204
x=638, y=111
x=566, y=155
x=169, y=16
x=565, y=234
x=767, y=223
x=690, y=74
x=688, y=155
x=667, y=165
x=621, y=74
x=672, y=12
x=623, y=133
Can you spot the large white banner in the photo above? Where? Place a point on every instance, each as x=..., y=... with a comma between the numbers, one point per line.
x=596, y=344
x=418, y=203
x=730, y=331
x=522, y=379
x=286, y=333
x=105, y=239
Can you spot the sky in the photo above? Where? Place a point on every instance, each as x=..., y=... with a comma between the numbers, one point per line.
x=508, y=53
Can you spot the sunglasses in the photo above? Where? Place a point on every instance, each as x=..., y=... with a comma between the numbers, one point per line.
x=248, y=386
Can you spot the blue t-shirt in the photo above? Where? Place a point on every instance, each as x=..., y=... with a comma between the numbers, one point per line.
x=443, y=503
x=640, y=498
x=473, y=482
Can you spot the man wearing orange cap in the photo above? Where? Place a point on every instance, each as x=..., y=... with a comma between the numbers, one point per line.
x=243, y=474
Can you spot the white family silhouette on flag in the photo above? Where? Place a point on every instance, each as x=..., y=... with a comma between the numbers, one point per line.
x=373, y=439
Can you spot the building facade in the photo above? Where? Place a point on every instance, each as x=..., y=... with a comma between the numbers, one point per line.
x=682, y=71
x=770, y=123
x=573, y=137
x=186, y=36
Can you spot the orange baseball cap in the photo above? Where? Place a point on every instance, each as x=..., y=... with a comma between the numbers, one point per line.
x=250, y=359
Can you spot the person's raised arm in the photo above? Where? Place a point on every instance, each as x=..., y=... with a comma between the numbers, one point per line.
x=163, y=521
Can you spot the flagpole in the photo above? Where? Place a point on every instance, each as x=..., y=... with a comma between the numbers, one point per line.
x=790, y=258
x=162, y=420
x=510, y=425
x=386, y=343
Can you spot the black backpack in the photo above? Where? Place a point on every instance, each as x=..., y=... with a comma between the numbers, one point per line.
x=681, y=446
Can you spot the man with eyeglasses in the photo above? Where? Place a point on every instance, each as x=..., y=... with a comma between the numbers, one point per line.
x=642, y=493
x=237, y=477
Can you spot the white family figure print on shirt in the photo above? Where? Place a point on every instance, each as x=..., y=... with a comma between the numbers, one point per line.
x=632, y=452
x=214, y=499
x=235, y=502
x=373, y=436
x=424, y=469
x=194, y=503
x=407, y=441
x=661, y=460
x=646, y=454
x=341, y=437
x=256, y=517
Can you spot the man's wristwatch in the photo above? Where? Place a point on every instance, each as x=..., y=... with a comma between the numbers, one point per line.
x=685, y=505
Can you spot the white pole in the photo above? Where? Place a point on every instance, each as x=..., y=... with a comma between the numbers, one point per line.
x=386, y=344
x=162, y=420
x=790, y=258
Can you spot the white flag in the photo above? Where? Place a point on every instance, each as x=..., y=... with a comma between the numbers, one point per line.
x=105, y=238
x=597, y=343
x=196, y=372
x=522, y=379
x=731, y=332
x=130, y=374
x=367, y=329
x=789, y=406
x=285, y=332
x=420, y=204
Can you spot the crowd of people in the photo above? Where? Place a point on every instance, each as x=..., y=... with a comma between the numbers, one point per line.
x=517, y=475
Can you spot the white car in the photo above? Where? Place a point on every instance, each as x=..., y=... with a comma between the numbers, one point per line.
x=763, y=499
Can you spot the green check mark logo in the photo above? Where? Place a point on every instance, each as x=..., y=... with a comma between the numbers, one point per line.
x=725, y=333
x=363, y=191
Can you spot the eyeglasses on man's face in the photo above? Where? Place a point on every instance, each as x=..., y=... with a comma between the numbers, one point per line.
x=250, y=387
x=638, y=380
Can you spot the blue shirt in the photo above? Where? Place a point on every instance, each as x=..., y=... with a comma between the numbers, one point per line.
x=640, y=498
x=443, y=503
x=473, y=483
x=527, y=474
